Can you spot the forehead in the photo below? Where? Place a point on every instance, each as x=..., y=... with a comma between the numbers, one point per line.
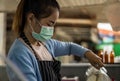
x=54, y=15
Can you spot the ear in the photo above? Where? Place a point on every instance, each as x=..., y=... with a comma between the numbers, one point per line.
x=30, y=18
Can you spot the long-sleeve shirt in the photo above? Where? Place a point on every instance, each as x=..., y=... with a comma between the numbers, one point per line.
x=26, y=61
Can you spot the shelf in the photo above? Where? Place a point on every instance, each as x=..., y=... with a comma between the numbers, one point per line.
x=87, y=65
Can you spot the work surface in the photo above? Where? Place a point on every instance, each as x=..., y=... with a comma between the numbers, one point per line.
x=73, y=69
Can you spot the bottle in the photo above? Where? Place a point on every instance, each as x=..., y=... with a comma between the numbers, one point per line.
x=106, y=57
x=112, y=57
x=100, y=54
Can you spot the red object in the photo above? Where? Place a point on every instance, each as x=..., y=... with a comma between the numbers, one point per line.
x=112, y=79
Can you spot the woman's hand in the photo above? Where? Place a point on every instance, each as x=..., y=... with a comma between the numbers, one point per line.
x=95, y=60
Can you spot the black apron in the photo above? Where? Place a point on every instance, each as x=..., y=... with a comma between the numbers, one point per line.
x=50, y=70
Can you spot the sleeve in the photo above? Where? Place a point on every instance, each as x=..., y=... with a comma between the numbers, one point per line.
x=24, y=63
x=67, y=48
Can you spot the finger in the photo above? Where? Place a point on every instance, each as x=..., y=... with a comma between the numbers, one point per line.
x=96, y=66
x=100, y=63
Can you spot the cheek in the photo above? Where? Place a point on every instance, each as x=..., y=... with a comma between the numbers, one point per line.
x=37, y=28
x=44, y=22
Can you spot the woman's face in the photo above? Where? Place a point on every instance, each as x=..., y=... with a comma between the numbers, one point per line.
x=49, y=21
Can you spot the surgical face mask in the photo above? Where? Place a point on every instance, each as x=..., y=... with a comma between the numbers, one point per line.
x=45, y=34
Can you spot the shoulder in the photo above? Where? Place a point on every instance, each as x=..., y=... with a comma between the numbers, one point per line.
x=24, y=60
x=18, y=49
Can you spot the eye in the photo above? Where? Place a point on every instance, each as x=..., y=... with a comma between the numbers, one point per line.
x=49, y=25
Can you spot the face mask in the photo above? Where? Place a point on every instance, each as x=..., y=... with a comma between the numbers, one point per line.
x=45, y=34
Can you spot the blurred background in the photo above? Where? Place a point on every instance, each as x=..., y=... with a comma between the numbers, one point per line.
x=84, y=22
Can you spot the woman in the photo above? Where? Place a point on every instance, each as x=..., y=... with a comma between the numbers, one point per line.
x=33, y=51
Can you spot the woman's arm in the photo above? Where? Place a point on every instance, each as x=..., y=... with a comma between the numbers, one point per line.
x=95, y=60
x=58, y=48
x=66, y=48
x=23, y=61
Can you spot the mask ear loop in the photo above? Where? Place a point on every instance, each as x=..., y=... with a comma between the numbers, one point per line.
x=34, y=31
x=38, y=22
x=31, y=27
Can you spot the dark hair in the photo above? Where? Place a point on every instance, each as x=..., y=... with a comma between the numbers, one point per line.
x=40, y=8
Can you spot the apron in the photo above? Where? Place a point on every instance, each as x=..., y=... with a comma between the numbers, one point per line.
x=50, y=70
